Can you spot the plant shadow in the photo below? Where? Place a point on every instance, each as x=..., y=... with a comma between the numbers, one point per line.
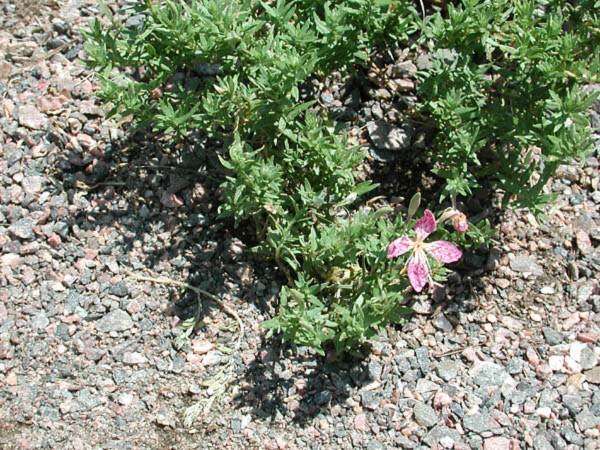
x=160, y=201
x=286, y=381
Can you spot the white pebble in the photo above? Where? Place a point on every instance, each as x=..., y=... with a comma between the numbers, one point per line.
x=544, y=412
x=547, y=290
x=556, y=362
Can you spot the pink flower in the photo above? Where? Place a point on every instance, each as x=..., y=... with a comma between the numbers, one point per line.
x=419, y=272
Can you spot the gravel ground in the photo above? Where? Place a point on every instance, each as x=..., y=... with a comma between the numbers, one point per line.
x=93, y=357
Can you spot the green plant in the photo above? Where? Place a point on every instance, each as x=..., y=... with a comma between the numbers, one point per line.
x=503, y=90
x=502, y=95
x=236, y=70
x=232, y=65
x=347, y=288
x=350, y=284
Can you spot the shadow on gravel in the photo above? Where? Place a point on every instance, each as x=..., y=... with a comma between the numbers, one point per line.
x=143, y=187
x=286, y=381
x=159, y=206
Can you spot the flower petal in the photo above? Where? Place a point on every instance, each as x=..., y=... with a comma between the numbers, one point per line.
x=399, y=246
x=418, y=272
x=426, y=224
x=444, y=251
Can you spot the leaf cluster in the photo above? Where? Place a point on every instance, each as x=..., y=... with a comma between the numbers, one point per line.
x=504, y=91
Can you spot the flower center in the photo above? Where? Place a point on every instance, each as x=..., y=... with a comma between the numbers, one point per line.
x=418, y=245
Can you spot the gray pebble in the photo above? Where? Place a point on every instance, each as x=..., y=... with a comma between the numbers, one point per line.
x=387, y=137
x=489, y=374
x=23, y=228
x=588, y=358
x=40, y=321
x=425, y=415
x=438, y=434
x=87, y=400
x=478, y=423
x=541, y=443
x=515, y=365
x=117, y=320
x=443, y=324
x=586, y=420
x=119, y=289
x=369, y=400
x=375, y=369
x=526, y=264
x=552, y=336
x=447, y=369
x=422, y=354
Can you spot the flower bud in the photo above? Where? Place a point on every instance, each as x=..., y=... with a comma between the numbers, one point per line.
x=413, y=206
x=156, y=93
x=460, y=222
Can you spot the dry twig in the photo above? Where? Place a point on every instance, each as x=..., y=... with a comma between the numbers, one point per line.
x=201, y=292
x=218, y=385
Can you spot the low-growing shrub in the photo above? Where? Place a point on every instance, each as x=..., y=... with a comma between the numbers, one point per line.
x=501, y=92
x=232, y=65
x=351, y=282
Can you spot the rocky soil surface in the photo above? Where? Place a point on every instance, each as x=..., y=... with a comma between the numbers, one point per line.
x=93, y=356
